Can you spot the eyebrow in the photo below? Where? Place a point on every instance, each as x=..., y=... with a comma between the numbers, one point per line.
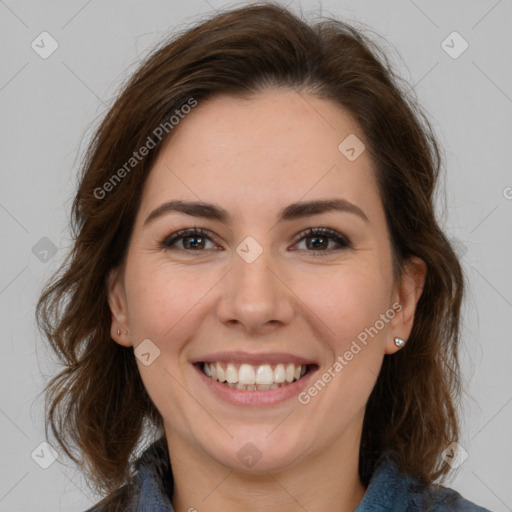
x=291, y=212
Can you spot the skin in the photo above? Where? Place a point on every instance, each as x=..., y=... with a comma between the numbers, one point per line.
x=253, y=157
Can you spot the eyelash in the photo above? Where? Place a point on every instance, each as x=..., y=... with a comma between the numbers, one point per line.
x=342, y=241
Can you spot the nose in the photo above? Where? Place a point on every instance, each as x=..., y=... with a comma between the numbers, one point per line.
x=256, y=297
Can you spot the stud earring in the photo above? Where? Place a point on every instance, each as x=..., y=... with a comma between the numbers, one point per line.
x=399, y=342
x=118, y=332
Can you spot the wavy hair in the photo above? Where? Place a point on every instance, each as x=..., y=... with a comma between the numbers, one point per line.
x=97, y=407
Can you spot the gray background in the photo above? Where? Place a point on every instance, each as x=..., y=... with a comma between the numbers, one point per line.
x=49, y=108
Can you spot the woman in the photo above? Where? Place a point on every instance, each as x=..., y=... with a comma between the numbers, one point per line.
x=258, y=283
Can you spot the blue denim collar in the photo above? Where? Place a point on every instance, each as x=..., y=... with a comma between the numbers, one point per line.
x=388, y=491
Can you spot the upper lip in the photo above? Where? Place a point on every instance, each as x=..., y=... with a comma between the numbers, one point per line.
x=254, y=358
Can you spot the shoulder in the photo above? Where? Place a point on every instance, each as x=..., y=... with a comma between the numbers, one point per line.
x=151, y=483
x=436, y=498
x=393, y=491
x=117, y=501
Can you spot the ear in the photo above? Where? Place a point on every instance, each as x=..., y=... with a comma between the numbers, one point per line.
x=405, y=298
x=119, y=329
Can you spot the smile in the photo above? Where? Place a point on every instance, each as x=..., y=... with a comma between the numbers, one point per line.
x=249, y=377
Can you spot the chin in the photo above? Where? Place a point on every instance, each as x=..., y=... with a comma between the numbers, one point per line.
x=256, y=453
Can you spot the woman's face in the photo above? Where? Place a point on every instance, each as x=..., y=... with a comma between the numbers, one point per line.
x=256, y=291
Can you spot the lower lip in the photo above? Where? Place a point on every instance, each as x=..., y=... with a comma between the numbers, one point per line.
x=254, y=398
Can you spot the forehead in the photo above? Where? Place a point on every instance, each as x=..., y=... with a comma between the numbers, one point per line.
x=273, y=148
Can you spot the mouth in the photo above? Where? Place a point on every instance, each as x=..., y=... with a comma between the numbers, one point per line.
x=251, y=377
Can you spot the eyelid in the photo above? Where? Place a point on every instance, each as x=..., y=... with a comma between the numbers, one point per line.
x=342, y=240
x=171, y=239
x=320, y=230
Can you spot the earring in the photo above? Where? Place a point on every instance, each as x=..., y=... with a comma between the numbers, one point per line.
x=399, y=342
x=118, y=332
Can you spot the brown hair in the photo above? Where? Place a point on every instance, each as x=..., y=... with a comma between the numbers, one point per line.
x=97, y=406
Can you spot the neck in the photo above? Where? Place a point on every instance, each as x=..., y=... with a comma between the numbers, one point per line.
x=328, y=481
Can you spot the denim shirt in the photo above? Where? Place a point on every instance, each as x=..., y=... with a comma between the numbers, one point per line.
x=388, y=490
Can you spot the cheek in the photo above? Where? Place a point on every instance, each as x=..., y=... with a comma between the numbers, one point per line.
x=168, y=303
x=350, y=304
x=158, y=298
x=346, y=301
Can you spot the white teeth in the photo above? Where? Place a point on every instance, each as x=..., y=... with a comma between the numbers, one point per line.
x=248, y=377
x=231, y=374
x=246, y=374
x=265, y=375
x=290, y=372
x=279, y=373
x=220, y=373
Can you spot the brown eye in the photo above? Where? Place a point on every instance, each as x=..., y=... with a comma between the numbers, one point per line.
x=318, y=240
x=191, y=240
